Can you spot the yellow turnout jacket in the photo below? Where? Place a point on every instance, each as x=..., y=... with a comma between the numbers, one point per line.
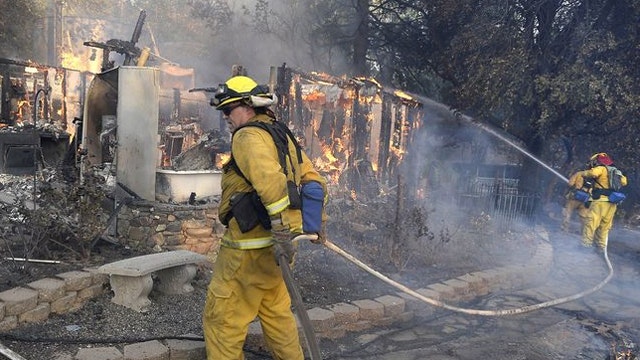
x=255, y=154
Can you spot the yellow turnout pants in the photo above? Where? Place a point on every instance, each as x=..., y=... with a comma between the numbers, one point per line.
x=598, y=223
x=571, y=206
x=246, y=284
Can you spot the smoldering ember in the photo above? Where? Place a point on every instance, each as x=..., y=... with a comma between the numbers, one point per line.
x=122, y=155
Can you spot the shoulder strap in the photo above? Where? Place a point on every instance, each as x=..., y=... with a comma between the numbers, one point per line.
x=281, y=135
x=293, y=138
x=596, y=180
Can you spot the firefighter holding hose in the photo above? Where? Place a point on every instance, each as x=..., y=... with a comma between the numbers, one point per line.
x=260, y=206
x=602, y=203
x=577, y=185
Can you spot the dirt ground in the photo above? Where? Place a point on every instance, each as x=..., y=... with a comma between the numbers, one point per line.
x=323, y=278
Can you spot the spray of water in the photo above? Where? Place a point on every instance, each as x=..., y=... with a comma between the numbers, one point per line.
x=461, y=117
x=512, y=144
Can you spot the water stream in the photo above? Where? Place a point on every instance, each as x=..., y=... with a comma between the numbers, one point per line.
x=517, y=147
x=491, y=131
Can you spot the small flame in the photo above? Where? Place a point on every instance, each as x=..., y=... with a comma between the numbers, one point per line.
x=315, y=96
x=329, y=164
x=402, y=94
x=222, y=159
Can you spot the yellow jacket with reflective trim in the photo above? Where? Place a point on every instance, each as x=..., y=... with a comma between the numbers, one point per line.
x=255, y=153
x=576, y=181
x=601, y=176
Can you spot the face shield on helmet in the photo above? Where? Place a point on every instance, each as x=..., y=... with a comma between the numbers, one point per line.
x=242, y=88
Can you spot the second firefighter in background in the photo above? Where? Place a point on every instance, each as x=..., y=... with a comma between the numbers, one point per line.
x=599, y=219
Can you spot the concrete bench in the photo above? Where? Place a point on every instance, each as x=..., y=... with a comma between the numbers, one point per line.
x=131, y=279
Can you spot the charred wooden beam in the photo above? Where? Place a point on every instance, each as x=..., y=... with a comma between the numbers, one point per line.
x=282, y=91
x=385, y=134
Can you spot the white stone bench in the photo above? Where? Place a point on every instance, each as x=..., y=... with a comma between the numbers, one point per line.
x=131, y=279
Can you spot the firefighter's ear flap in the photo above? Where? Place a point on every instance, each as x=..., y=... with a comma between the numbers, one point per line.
x=263, y=101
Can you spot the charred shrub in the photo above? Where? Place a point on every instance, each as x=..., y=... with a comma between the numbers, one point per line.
x=56, y=219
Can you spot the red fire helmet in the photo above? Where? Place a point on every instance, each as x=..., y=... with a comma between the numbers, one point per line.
x=601, y=159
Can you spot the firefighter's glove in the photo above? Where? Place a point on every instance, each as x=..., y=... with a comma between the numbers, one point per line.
x=322, y=237
x=285, y=248
x=283, y=239
x=284, y=245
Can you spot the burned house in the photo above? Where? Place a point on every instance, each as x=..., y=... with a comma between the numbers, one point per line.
x=141, y=119
x=40, y=109
x=367, y=138
x=356, y=131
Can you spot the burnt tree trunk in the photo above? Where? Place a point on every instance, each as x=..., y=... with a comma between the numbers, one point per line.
x=361, y=39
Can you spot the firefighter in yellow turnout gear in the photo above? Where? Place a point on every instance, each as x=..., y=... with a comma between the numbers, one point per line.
x=599, y=219
x=247, y=281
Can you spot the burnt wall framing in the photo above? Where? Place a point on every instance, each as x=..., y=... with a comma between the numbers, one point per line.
x=384, y=137
x=41, y=94
x=366, y=128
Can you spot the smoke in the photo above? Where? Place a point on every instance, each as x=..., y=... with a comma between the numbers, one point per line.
x=259, y=36
x=468, y=181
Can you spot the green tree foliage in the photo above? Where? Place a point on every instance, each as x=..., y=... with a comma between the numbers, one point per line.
x=216, y=13
x=545, y=70
x=17, y=27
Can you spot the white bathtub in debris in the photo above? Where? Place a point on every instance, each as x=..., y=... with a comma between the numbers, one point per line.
x=177, y=186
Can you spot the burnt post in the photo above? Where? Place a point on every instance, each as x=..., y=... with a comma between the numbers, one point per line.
x=283, y=83
x=5, y=108
x=385, y=136
x=124, y=47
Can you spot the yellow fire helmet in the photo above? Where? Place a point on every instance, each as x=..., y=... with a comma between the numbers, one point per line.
x=242, y=88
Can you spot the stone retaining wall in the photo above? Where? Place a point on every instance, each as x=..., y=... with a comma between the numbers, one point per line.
x=146, y=225
x=337, y=320
x=63, y=293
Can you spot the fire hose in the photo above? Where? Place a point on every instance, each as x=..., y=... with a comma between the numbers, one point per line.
x=514, y=311
x=521, y=310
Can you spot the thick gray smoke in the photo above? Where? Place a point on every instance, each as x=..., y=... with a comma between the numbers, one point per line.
x=468, y=180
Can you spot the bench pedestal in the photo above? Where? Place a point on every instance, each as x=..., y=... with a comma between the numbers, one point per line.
x=176, y=280
x=131, y=292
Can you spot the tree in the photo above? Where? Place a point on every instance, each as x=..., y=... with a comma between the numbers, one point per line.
x=539, y=70
x=17, y=27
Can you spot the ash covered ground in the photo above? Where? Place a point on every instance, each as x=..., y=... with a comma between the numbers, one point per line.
x=323, y=278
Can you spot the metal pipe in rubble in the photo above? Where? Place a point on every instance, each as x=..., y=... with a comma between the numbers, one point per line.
x=144, y=56
x=521, y=310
